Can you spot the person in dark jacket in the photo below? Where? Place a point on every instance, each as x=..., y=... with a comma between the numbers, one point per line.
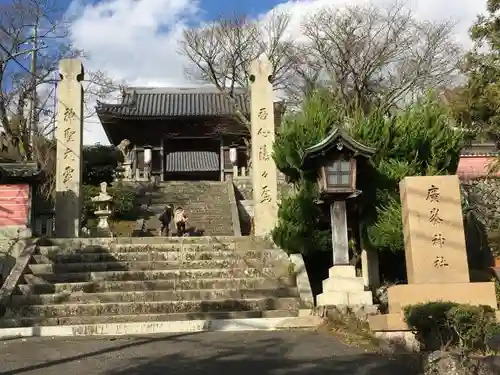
x=165, y=219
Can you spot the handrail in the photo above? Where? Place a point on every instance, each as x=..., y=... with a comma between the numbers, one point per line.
x=25, y=249
x=235, y=216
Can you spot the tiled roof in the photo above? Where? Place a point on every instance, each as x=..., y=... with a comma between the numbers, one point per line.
x=173, y=102
x=20, y=170
x=480, y=149
x=192, y=161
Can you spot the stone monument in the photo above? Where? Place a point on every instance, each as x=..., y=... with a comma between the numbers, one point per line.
x=264, y=172
x=69, y=148
x=103, y=211
x=125, y=166
x=436, y=258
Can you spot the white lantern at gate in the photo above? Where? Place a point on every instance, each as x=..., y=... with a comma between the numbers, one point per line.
x=148, y=155
x=233, y=155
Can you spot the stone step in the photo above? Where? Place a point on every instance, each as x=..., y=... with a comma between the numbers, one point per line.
x=121, y=248
x=158, y=307
x=109, y=319
x=215, y=210
x=153, y=285
x=202, y=218
x=215, y=273
x=64, y=243
x=219, y=211
x=196, y=191
x=188, y=199
x=150, y=296
x=191, y=201
x=143, y=256
x=38, y=269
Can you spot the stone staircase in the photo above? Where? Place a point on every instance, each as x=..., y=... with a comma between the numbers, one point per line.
x=205, y=202
x=126, y=280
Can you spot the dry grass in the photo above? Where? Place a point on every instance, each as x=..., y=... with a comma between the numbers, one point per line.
x=351, y=330
x=120, y=228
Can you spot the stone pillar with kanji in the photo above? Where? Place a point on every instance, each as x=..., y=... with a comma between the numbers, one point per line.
x=264, y=172
x=69, y=148
x=435, y=252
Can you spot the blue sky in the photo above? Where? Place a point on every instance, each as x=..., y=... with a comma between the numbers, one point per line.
x=252, y=8
x=136, y=41
x=212, y=9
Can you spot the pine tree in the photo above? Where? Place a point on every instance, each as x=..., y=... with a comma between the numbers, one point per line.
x=420, y=140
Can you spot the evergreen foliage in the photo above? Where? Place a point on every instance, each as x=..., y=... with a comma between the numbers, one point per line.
x=99, y=164
x=302, y=227
x=420, y=140
x=304, y=128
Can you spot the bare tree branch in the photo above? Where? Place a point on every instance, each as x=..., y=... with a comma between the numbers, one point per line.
x=220, y=53
x=18, y=84
x=376, y=56
x=18, y=18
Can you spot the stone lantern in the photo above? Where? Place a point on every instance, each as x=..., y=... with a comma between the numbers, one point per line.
x=103, y=211
x=336, y=159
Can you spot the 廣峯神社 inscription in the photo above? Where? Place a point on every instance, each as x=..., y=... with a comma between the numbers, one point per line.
x=438, y=239
x=433, y=230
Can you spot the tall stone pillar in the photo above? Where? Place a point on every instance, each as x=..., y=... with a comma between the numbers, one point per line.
x=69, y=148
x=340, y=240
x=264, y=174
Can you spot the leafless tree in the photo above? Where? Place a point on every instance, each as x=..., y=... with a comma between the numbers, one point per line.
x=372, y=55
x=18, y=81
x=221, y=52
x=368, y=55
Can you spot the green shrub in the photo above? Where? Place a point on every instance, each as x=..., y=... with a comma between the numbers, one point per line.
x=497, y=289
x=88, y=191
x=301, y=226
x=471, y=325
x=124, y=201
x=99, y=164
x=441, y=324
x=430, y=323
x=494, y=242
x=124, y=204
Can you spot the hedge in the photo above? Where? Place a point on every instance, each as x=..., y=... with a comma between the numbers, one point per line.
x=442, y=324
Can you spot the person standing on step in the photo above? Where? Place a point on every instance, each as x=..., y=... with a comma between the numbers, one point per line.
x=165, y=220
x=180, y=219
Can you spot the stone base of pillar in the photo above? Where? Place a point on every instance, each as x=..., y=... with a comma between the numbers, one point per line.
x=343, y=288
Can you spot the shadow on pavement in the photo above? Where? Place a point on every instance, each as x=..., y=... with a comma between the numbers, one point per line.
x=263, y=353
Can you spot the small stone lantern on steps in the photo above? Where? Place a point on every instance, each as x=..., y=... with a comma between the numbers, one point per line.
x=103, y=211
x=336, y=159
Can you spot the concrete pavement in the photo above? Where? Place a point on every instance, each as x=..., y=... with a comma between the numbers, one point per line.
x=207, y=353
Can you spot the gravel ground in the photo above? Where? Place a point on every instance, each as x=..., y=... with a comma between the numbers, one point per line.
x=240, y=353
